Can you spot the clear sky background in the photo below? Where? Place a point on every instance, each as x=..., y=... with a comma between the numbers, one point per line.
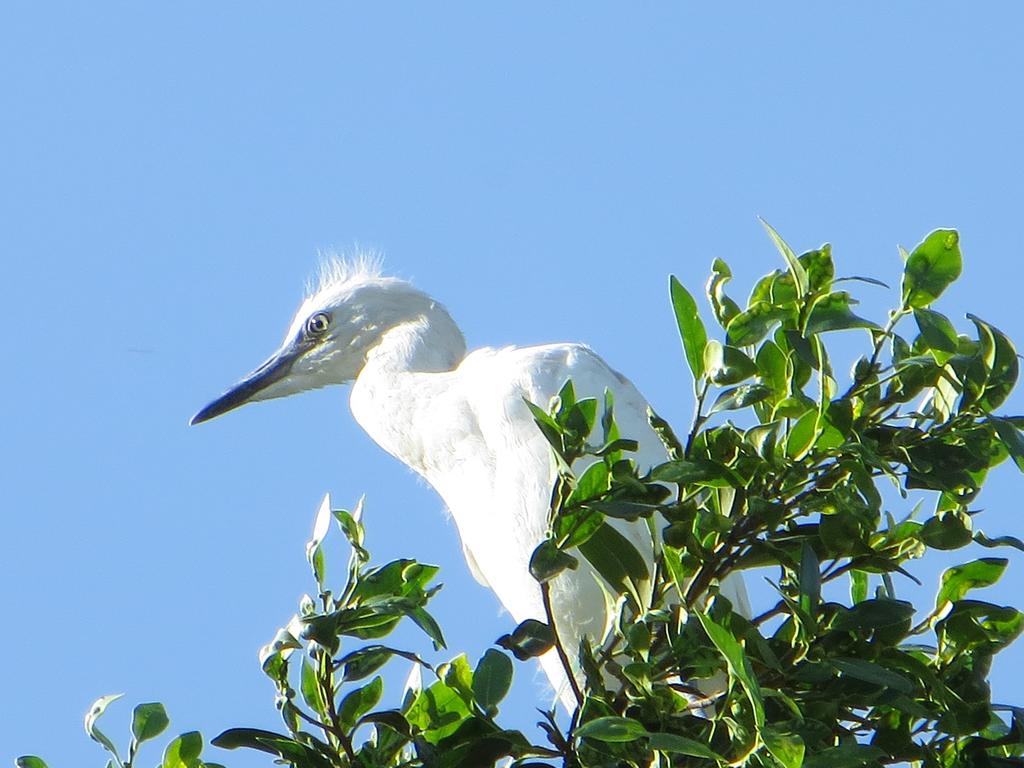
x=169, y=170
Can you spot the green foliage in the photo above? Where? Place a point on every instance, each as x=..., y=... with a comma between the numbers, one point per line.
x=788, y=472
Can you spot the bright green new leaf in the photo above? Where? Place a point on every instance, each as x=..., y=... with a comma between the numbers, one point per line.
x=959, y=580
x=680, y=745
x=736, y=661
x=787, y=748
x=932, y=266
x=691, y=327
x=753, y=324
x=613, y=729
x=724, y=308
x=796, y=269
x=726, y=365
x=439, y=711
x=858, y=587
x=184, y=751
x=29, y=761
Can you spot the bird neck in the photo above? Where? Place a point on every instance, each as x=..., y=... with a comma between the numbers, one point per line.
x=429, y=342
x=393, y=392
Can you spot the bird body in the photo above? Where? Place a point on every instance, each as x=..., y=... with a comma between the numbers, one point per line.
x=461, y=422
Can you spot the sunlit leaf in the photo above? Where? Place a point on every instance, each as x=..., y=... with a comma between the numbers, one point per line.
x=691, y=327
x=148, y=721
x=736, y=659
x=184, y=751
x=931, y=267
x=787, y=748
x=796, y=269
x=613, y=729
x=959, y=580
x=726, y=364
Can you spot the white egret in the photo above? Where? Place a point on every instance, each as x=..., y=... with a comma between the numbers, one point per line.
x=461, y=423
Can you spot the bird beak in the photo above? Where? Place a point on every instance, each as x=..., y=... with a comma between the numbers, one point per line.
x=252, y=387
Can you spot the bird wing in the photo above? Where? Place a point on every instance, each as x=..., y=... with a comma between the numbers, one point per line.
x=495, y=471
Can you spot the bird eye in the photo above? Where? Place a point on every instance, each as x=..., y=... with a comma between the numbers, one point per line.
x=317, y=324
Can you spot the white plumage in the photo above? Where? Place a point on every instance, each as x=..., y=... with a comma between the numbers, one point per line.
x=460, y=421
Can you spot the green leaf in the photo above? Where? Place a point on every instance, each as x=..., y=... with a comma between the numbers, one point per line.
x=360, y=701
x=999, y=541
x=937, y=331
x=531, y=638
x=947, y=530
x=847, y=755
x=361, y=663
x=680, y=745
x=149, y=721
x=612, y=729
x=617, y=560
x=692, y=472
x=29, y=761
x=726, y=365
x=931, y=268
x=95, y=712
x=1011, y=438
x=691, y=327
x=548, y=561
x=869, y=672
x=959, y=580
x=810, y=580
x=803, y=435
x=438, y=711
x=787, y=748
x=858, y=587
x=833, y=313
x=796, y=269
x=430, y=627
x=310, y=689
x=772, y=368
x=1002, y=366
x=753, y=324
x=624, y=510
x=740, y=397
x=273, y=744
x=492, y=678
x=736, y=661
x=821, y=268
x=724, y=308
x=184, y=751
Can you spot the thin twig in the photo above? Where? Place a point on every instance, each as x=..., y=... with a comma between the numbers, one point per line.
x=545, y=592
x=698, y=418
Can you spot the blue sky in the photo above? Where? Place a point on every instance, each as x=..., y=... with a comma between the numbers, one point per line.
x=169, y=172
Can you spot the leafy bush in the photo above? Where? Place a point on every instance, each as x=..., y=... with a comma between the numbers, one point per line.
x=785, y=472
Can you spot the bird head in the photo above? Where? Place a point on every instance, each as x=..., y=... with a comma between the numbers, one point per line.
x=350, y=309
